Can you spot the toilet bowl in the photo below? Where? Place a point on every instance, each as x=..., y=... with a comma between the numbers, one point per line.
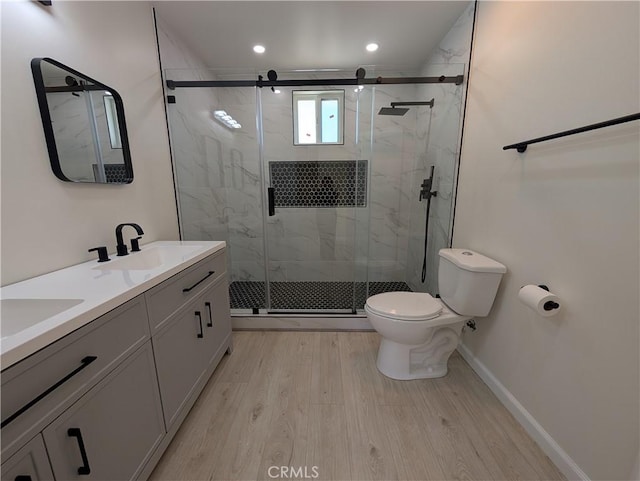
x=420, y=332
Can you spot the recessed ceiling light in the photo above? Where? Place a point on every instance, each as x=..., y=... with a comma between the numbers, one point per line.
x=372, y=47
x=258, y=49
x=276, y=91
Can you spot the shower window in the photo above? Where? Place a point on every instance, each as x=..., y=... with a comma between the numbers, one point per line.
x=318, y=117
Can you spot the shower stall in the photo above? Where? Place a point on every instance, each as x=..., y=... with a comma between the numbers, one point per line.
x=316, y=194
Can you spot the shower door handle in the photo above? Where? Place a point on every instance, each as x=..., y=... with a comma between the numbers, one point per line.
x=271, y=196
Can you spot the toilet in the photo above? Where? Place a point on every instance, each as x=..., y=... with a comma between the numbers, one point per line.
x=420, y=332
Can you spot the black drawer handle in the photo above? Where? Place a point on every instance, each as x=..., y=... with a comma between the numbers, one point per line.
x=187, y=289
x=271, y=200
x=75, y=433
x=201, y=333
x=208, y=306
x=22, y=477
x=84, y=363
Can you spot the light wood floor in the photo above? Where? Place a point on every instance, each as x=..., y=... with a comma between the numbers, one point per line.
x=305, y=399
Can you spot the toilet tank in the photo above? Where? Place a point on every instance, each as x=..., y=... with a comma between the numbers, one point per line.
x=468, y=281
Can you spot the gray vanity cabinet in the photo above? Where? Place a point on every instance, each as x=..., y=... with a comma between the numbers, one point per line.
x=179, y=351
x=217, y=321
x=112, y=431
x=189, y=346
x=104, y=401
x=30, y=463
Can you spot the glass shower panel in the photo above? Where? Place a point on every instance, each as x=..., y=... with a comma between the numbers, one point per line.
x=316, y=190
x=218, y=178
x=438, y=133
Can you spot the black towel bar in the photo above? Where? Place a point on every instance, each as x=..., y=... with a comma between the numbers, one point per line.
x=522, y=146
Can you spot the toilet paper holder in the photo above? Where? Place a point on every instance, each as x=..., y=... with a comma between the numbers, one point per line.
x=549, y=305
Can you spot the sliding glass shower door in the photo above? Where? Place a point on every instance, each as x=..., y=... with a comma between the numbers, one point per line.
x=315, y=165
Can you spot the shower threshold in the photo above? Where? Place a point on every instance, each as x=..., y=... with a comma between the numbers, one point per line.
x=308, y=297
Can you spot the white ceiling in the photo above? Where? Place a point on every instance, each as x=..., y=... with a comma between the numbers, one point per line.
x=311, y=35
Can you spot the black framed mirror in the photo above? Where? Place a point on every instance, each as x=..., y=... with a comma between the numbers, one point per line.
x=84, y=125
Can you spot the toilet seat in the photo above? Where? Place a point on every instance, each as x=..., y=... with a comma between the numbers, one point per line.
x=405, y=306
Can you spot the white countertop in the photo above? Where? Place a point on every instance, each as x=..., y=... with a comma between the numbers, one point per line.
x=85, y=292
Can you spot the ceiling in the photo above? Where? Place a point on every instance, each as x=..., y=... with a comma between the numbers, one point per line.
x=310, y=35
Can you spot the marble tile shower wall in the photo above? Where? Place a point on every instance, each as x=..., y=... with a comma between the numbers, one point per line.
x=308, y=243
x=450, y=58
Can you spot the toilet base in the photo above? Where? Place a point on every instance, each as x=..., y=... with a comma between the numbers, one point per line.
x=428, y=360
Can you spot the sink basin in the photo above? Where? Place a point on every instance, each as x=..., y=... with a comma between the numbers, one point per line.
x=148, y=259
x=19, y=314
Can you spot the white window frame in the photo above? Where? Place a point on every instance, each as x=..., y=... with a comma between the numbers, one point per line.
x=319, y=96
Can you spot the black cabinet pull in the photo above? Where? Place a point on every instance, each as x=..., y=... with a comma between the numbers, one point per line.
x=75, y=433
x=208, y=306
x=271, y=196
x=84, y=363
x=22, y=477
x=187, y=289
x=201, y=333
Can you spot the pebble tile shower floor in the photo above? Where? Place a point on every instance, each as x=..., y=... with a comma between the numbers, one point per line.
x=309, y=295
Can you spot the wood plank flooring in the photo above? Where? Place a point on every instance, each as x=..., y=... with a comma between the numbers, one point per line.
x=315, y=402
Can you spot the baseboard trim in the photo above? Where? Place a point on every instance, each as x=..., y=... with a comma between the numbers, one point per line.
x=551, y=448
x=302, y=323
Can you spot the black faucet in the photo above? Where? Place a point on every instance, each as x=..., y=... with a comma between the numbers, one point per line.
x=122, y=247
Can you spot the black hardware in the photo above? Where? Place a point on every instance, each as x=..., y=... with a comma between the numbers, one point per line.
x=522, y=146
x=171, y=99
x=46, y=3
x=174, y=84
x=85, y=468
x=187, y=289
x=255, y=310
x=550, y=306
x=426, y=193
x=122, y=247
x=271, y=196
x=201, y=333
x=208, y=306
x=84, y=363
x=103, y=256
x=472, y=324
x=135, y=245
x=22, y=477
x=410, y=104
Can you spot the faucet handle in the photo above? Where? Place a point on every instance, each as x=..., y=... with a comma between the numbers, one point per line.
x=103, y=256
x=135, y=245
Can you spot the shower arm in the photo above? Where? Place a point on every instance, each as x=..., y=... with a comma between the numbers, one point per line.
x=411, y=104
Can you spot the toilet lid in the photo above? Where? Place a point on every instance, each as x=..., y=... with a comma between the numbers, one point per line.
x=406, y=306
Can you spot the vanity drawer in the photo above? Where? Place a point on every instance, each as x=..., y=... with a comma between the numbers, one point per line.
x=39, y=388
x=165, y=299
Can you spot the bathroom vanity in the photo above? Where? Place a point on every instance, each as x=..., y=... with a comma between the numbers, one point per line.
x=102, y=362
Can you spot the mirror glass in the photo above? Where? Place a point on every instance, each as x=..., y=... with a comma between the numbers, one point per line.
x=84, y=125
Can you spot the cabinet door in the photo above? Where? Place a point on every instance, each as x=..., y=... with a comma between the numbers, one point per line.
x=179, y=352
x=112, y=430
x=217, y=320
x=30, y=463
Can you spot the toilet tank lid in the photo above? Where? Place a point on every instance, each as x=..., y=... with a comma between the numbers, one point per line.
x=472, y=261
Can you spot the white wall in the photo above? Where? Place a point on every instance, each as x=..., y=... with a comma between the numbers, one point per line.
x=565, y=213
x=48, y=224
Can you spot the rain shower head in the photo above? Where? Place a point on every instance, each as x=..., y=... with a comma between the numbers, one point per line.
x=394, y=110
